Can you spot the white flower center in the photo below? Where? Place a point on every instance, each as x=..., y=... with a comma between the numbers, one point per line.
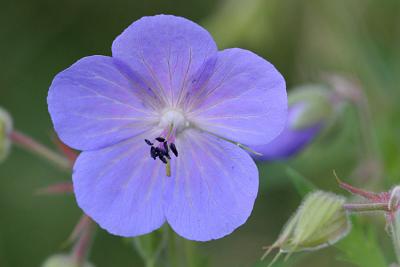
x=173, y=117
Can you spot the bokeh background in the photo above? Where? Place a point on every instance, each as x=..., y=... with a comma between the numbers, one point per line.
x=303, y=39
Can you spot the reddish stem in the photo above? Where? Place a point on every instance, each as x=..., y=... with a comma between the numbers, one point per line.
x=357, y=191
x=59, y=188
x=82, y=246
x=37, y=148
x=66, y=150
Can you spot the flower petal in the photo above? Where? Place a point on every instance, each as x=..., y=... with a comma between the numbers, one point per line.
x=244, y=100
x=213, y=187
x=120, y=187
x=92, y=104
x=167, y=51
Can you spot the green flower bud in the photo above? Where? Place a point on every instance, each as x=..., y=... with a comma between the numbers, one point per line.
x=317, y=104
x=5, y=130
x=63, y=260
x=320, y=221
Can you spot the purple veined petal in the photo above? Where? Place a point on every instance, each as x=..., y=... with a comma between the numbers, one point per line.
x=244, y=99
x=121, y=187
x=213, y=187
x=167, y=51
x=290, y=141
x=92, y=104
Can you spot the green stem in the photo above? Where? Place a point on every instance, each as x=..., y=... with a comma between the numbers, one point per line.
x=172, y=248
x=149, y=253
x=181, y=251
x=37, y=148
x=148, y=260
x=365, y=207
x=190, y=257
x=394, y=231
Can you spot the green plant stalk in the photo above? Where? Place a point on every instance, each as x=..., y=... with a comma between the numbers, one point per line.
x=139, y=246
x=149, y=253
x=394, y=228
x=366, y=207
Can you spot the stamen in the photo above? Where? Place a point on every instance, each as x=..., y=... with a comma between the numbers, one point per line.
x=167, y=155
x=160, y=139
x=166, y=147
x=159, y=152
x=153, y=152
x=163, y=151
x=163, y=159
x=173, y=149
x=148, y=142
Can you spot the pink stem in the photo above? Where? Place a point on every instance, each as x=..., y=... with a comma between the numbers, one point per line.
x=37, y=148
x=59, y=188
x=357, y=191
x=66, y=150
x=82, y=246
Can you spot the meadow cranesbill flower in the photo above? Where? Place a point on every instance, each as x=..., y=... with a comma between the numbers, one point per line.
x=311, y=109
x=162, y=124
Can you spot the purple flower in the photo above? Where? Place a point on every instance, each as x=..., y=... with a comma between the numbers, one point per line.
x=159, y=124
x=291, y=141
x=310, y=109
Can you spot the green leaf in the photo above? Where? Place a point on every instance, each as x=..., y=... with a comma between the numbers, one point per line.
x=361, y=247
x=302, y=185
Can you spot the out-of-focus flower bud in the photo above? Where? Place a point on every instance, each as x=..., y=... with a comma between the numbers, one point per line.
x=311, y=109
x=5, y=130
x=347, y=88
x=320, y=221
x=63, y=260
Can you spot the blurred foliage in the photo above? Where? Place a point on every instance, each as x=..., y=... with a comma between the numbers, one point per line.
x=362, y=247
x=303, y=39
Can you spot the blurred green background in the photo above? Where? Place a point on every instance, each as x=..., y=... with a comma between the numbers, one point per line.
x=303, y=39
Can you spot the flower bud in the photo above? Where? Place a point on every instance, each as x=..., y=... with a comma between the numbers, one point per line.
x=316, y=102
x=320, y=221
x=311, y=108
x=63, y=260
x=5, y=130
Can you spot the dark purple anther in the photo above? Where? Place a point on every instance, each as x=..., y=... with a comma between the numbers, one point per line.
x=166, y=147
x=167, y=155
x=173, y=149
x=148, y=142
x=163, y=152
x=163, y=159
x=153, y=152
x=160, y=139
